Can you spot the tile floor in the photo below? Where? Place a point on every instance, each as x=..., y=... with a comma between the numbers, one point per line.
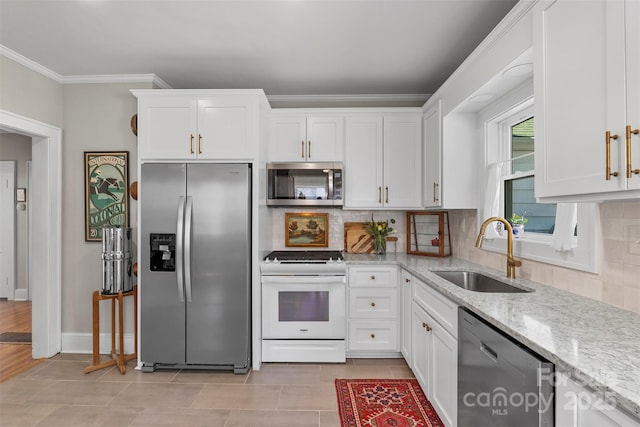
x=58, y=393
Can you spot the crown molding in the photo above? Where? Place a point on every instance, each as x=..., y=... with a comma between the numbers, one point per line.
x=116, y=78
x=348, y=100
x=99, y=78
x=32, y=65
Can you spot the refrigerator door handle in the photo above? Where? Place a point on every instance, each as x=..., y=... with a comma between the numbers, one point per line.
x=187, y=247
x=179, y=249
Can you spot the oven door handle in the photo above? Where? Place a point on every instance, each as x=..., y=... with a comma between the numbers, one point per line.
x=293, y=280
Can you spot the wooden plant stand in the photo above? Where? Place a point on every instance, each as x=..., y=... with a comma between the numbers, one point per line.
x=120, y=359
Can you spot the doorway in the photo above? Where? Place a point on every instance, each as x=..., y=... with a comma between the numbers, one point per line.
x=46, y=230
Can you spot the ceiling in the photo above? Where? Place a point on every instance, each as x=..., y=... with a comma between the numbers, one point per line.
x=286, y=47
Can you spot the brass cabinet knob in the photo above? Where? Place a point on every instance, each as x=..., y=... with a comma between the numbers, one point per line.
x=373, y=304
x=373, y=336
x=373, y=277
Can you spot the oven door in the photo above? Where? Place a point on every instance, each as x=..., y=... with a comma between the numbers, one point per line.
x=303, y=307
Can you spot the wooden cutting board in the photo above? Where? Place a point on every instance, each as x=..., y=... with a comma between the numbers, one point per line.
x=358, y=241
x=356, y=238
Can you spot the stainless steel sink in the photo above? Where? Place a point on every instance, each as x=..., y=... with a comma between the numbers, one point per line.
x=477, y=282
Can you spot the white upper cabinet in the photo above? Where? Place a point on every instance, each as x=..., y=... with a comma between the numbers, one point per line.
x=432, y=134
x=383, y=161
x=302, y=138
x=450, y=159
x=179, y=125
x=402, y=161
x=363, y=162
x=587, y=99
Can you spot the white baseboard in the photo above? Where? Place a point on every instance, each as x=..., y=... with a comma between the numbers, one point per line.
x=83, y=343
x=21, y=295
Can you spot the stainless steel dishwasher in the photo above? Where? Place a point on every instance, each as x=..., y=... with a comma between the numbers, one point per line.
x=500, y=382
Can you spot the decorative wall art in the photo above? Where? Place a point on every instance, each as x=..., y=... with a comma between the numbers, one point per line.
x=106, y=192
x=306, y=230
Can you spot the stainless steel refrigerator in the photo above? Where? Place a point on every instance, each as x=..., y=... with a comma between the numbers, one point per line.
x=196, y=266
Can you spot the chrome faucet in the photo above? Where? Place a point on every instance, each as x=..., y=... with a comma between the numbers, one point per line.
x=512, y=263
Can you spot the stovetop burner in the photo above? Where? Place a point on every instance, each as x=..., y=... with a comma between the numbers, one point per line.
x=293, y=256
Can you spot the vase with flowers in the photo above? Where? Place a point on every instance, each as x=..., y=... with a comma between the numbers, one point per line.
x=379, y=230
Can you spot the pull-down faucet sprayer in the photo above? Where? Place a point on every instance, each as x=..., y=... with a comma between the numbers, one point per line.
x=512, y=263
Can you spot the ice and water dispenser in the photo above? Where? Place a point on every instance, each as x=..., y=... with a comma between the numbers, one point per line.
x=163, y=252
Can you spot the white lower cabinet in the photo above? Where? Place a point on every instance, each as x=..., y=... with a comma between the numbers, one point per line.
x=373, y=324
x=435, y=359
x=576, y=406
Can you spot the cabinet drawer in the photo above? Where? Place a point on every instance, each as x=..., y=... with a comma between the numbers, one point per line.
x=373, y=335
x=441, y=308
x=373, y=303
x=368, y=276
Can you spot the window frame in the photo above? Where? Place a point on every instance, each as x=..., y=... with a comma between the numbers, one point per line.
x=533, y=246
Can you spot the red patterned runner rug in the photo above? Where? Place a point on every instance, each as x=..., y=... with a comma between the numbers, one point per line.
x=383, y=403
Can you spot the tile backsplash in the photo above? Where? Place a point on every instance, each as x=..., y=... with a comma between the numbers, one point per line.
x=337, y=218
x=617, y=283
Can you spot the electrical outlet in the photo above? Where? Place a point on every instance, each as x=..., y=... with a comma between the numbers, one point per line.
x=634, y=239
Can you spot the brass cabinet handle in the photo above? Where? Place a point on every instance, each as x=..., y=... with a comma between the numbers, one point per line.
x=379, y=194
x=191, y=144
x=373, y=336
x=302, y=149
x=630, y=170
x=435, y=192
x=309, y=149
x=407, y=280
x=608, y=137
x=199, y=144
x=387, y=194
x=373, y=304
x=426, y=326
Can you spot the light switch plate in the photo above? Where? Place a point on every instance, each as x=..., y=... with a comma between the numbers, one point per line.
x=634, y=239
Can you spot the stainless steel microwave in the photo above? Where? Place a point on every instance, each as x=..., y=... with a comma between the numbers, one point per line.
x=304, y=184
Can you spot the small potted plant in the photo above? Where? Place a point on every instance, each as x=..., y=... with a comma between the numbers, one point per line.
x=517, y=223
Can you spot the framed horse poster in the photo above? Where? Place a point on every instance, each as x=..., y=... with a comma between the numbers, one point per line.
x=106, y=192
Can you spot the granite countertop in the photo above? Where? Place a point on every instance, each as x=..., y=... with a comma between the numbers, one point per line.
x=597, y=344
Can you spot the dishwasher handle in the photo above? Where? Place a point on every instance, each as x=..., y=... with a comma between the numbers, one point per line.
x=489, y=352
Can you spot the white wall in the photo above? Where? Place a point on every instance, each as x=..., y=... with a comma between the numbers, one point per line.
x=93, y=117
x=18, y=148
x=96, y=118
x=29, y=94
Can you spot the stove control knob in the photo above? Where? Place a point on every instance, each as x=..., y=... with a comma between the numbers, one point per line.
x=267, y=260
x=330, y=260
x=275, y=259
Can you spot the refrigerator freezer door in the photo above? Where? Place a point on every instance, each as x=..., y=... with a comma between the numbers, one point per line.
x=162, y=316
x=218, y=316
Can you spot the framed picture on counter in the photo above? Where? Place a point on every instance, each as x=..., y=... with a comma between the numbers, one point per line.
x=306, y=230
x=106, y=198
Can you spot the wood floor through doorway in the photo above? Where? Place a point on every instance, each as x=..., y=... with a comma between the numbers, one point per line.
x=15, y=316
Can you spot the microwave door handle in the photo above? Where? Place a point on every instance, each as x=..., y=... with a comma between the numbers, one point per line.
x=187, y=247
x=179, y=249
x=330, y=185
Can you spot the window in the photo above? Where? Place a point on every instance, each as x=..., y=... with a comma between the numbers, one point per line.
x=518, y=178
x=508, y=130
